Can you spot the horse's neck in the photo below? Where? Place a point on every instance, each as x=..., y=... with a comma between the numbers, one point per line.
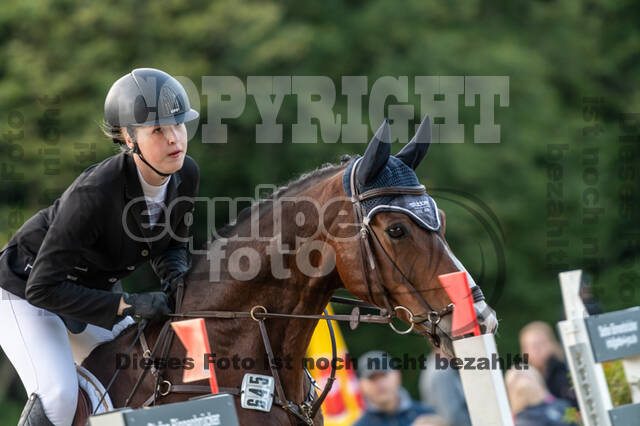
x=295, y=294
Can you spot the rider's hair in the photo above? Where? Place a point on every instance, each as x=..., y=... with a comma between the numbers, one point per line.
x=116, y=134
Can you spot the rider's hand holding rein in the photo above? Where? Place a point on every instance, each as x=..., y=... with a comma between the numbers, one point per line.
x=152, y=306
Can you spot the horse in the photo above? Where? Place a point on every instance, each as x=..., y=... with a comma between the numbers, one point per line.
x=364, y=224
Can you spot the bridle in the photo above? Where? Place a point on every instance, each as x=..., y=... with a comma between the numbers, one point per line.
x=307, y=410
x=432, y=317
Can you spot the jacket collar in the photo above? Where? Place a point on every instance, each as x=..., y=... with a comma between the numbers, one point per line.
x=133, y=189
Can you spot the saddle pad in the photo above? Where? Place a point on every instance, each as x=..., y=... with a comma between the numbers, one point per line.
x=94, y=389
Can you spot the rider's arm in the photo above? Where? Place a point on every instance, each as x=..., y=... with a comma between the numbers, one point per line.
x=74, y=230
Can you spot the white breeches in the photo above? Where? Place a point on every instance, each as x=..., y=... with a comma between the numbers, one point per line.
x=43, y=352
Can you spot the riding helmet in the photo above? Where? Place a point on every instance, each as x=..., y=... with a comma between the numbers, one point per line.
x=147, y=97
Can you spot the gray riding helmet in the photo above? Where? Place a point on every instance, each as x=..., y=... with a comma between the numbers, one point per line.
x=147, y=97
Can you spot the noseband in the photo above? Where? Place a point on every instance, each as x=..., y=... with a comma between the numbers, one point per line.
x=431, y=318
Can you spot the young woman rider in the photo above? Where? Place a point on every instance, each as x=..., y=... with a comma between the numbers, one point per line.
x=60, y=272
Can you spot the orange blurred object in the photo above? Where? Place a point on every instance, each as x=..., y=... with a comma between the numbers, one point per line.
x=464, y=314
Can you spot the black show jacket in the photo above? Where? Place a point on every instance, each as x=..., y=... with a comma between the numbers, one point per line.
x=68, y=258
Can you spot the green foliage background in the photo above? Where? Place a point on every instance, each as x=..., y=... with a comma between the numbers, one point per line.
x=58, y=58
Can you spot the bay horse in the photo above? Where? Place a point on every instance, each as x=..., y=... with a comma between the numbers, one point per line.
x=384, y=242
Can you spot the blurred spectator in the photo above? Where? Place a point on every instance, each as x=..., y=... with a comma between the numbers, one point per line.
x=387, y=402
x=441, y=388
x=545, y=354
x=531, y=403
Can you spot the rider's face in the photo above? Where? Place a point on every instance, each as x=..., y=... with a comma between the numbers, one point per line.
x=163, y=146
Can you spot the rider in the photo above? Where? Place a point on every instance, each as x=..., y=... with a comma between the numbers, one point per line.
x=63, y=266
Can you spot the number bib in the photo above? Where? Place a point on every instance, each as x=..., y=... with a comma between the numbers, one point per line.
x=257, y=392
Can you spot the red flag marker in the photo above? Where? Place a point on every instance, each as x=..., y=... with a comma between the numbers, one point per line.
x=464, y=314
x=193, y=335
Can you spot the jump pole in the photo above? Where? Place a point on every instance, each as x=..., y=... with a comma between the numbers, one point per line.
x=484, y=389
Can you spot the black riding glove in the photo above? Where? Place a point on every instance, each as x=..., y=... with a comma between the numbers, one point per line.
x=153, y=305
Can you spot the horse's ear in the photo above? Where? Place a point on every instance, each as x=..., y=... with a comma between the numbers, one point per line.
x=413, y=152
x=376, y=155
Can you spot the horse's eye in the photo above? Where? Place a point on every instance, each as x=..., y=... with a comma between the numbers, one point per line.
x=395, y=231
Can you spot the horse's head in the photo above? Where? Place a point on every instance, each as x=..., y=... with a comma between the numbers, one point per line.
x=400, y=250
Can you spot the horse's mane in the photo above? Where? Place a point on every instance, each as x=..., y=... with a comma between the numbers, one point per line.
x=292, y=188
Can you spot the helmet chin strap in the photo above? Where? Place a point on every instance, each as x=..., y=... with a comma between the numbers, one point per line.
x=136, y=150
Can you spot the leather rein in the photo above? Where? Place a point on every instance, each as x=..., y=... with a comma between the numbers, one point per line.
x=307, y=410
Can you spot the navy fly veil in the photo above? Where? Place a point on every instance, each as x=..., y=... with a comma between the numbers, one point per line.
x=421, y=209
